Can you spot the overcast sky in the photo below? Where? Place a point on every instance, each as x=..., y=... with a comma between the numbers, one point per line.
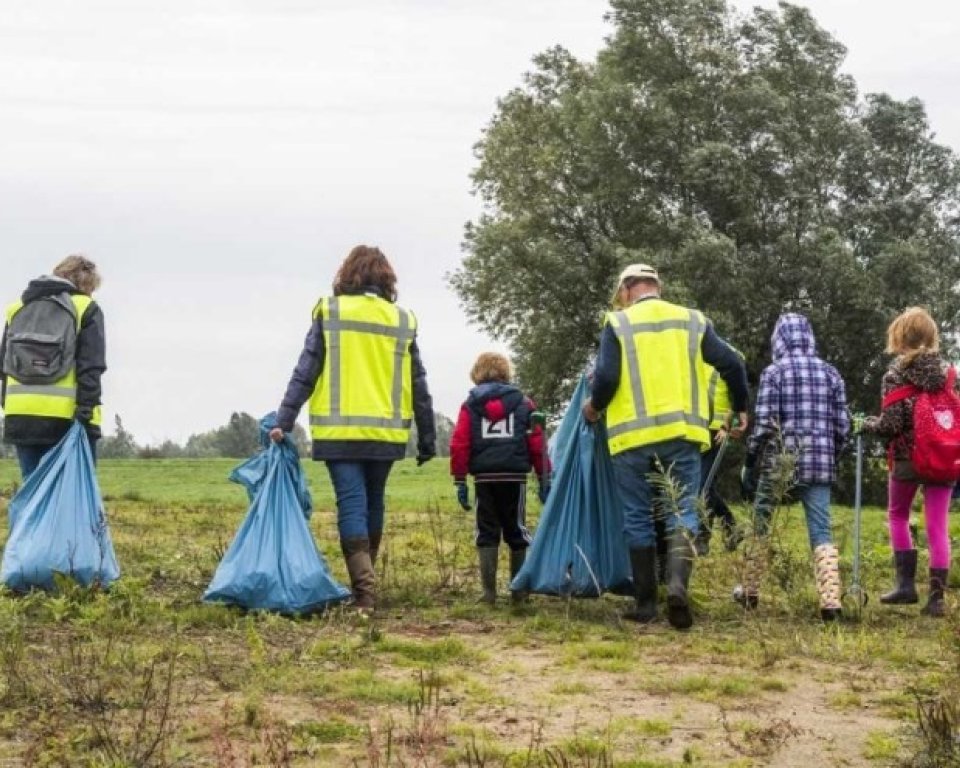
x=219, y=158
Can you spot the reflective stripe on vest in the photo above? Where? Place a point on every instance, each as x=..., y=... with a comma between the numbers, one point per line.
x=631, y=419
x=365, y=390
x=719, y=396
x=57, y=400
x=719, y=393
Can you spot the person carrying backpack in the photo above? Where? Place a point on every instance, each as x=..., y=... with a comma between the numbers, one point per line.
x=920, y=420
x=52, y=358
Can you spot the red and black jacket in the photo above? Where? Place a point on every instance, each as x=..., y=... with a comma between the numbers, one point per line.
x=493, y=440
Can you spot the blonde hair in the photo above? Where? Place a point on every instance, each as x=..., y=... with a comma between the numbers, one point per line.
x=912, y=333
x=80, y=271
x=491, y=366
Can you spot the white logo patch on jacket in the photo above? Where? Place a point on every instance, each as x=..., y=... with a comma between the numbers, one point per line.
x=493, y=430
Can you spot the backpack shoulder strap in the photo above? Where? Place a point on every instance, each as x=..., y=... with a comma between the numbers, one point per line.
x=900, y=393
x=951, y=379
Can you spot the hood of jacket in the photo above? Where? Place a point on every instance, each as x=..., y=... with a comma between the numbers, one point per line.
x=495, y=400
x=793, y=335
x=925, y=371
x=47, y=285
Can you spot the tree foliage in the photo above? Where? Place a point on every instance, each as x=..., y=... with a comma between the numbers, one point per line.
x=735, y=154
x=120, y=445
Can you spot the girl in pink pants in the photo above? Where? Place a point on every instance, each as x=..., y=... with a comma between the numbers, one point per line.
x=914, y=339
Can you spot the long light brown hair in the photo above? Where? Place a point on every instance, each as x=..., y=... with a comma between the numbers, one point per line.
x=366, y=267
x=912, y=333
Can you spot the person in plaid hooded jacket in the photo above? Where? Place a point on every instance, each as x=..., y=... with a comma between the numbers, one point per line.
x=801, y=425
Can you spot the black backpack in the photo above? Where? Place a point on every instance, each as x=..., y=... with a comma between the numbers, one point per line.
x=42, y=340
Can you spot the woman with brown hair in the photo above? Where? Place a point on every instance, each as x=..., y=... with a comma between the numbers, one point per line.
x=52, y=358
x=914, y=339
x=361, y=371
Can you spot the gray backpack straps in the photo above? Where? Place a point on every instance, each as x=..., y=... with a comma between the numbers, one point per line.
x=42, y=340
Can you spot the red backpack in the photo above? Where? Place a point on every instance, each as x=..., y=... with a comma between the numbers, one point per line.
x=936, y=430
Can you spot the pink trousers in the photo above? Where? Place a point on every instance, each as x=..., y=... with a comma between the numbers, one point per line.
x=936, y=507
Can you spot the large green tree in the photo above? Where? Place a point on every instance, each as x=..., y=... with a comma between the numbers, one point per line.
x=735, y=154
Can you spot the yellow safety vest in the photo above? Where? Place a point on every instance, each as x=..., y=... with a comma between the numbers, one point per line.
x=365, y=390
x=57, y=400
x=719, y=394
x=663, y=381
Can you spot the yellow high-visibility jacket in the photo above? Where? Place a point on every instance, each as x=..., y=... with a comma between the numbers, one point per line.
x=662, y=393
x=57, y=400
x=364, y=391
x=719, y=395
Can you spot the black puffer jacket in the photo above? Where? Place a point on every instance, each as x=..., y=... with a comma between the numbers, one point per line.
x=91, y=363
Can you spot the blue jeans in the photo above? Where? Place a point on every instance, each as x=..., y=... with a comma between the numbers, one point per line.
x=681, y=459
x=29, y=456
x=816, y=506
x=359, y=486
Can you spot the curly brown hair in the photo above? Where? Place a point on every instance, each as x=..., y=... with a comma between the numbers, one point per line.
x=80, y=271
x=491, y=366
x=366, y=267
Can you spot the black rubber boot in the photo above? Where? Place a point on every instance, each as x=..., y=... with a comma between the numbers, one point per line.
x=662, y=550
x=517, y=558
x=362, y=577
x=679, y=568
x=643, y=562
x=732, y=535
x=905, y=587
x=936, y=606
x=488, y=573
x=702, y=542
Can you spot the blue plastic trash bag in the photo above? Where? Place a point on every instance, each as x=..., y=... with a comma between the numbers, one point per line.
x=252, y=472
x=578, y=549
x=57, y=522
x=273, y=563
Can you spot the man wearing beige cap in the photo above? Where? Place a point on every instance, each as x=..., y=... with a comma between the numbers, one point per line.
x=651, y=378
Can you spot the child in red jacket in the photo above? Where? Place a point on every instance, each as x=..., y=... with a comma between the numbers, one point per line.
x=495, y=442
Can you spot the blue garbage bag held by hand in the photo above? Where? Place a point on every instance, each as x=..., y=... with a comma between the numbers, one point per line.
x=578, y=549
x=57, y=522
x=273, y=563
x=253, y=471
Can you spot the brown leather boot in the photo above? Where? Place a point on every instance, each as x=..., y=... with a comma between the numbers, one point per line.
x=375, y=538
x=356, y=552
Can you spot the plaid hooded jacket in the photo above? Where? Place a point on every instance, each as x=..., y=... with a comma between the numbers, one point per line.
x=803, y=398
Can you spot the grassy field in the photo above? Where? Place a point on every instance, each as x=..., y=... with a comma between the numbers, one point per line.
x=146, y=675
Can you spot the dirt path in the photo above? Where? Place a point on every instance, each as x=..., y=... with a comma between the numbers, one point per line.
x=709, y=713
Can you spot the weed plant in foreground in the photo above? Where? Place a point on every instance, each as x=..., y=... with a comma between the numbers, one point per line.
x=146, y=675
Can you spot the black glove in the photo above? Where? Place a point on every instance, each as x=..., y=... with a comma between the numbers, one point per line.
x=83, y=414
x=425, y=452
x=748, y=478
x=463, y=496
x=543, y=492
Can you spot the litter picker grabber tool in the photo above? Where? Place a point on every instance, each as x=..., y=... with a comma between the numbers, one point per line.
x=855, y=593
x=715, y=468
x=718, y=461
